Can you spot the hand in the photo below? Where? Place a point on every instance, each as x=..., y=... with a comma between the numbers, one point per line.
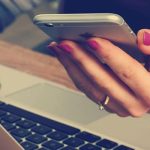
x=122, y=78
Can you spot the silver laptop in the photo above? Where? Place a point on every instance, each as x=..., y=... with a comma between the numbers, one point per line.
x=43, y=115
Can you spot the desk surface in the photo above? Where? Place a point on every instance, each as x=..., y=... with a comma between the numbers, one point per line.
x=34, y=63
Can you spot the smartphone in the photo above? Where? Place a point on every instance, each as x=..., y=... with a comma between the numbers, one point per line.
x=79, y=27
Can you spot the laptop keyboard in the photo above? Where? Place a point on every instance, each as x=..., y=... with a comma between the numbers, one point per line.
x=35, y=132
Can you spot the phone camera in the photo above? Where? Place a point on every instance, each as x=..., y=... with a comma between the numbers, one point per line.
x=49, y=25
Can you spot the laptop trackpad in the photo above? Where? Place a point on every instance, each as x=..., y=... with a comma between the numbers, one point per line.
x=58, y=102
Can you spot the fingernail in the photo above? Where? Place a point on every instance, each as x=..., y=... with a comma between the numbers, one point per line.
x=93, y=44
x=52, y=44
x=67, y=48
x=146, y=38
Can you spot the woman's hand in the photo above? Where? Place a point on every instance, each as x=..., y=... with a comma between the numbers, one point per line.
x=122, y=78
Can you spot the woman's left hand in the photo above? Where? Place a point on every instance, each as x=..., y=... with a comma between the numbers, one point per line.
x=122, y=78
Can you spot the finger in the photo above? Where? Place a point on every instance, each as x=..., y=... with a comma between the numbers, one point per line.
x=105, y=79
x=83, y=83
x=115, y=108
x=130, y=71
x=143, y=41
x=118, y=109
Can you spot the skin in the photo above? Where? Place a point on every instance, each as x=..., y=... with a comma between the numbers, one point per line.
x=124, y=79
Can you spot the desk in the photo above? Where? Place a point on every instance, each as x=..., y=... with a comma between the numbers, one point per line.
x=34, y=63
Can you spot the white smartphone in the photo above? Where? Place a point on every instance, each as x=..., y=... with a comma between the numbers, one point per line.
x=79, y=27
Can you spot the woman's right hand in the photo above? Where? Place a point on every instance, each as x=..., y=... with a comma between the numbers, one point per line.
x=124, y=80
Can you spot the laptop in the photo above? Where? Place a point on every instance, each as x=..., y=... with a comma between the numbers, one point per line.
x=37, y=114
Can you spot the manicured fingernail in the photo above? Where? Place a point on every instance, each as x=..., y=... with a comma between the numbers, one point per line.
x=67, y=48
x=52, y=44
x=93, y=44
x=146, y=38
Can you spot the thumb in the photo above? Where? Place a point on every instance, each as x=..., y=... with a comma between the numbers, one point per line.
x=143, y=41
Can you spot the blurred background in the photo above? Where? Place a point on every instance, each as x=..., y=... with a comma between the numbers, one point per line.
x=23, y=32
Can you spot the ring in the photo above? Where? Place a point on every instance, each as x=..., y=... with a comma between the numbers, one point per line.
x=103, y=103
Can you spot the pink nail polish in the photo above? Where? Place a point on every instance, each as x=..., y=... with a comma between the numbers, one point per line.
x=93, y=44
x=65, y=47
x=146, y=38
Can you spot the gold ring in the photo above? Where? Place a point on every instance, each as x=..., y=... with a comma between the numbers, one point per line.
x=103, y=103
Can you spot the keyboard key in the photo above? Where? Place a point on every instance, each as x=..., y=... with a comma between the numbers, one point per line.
x=36, y=138
x=26, y=124
x=53, y=145
x=11, y=118
x=107, y=144
x=122, y=147
x=88, y=137
x=20, y=132
x=58, y=136
x=68, y=148
x=90, y=147
x=8, y=126
x=73, y=142
x=18, y=139
x=42, y=129
x=29, y=146
x=2, y=113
